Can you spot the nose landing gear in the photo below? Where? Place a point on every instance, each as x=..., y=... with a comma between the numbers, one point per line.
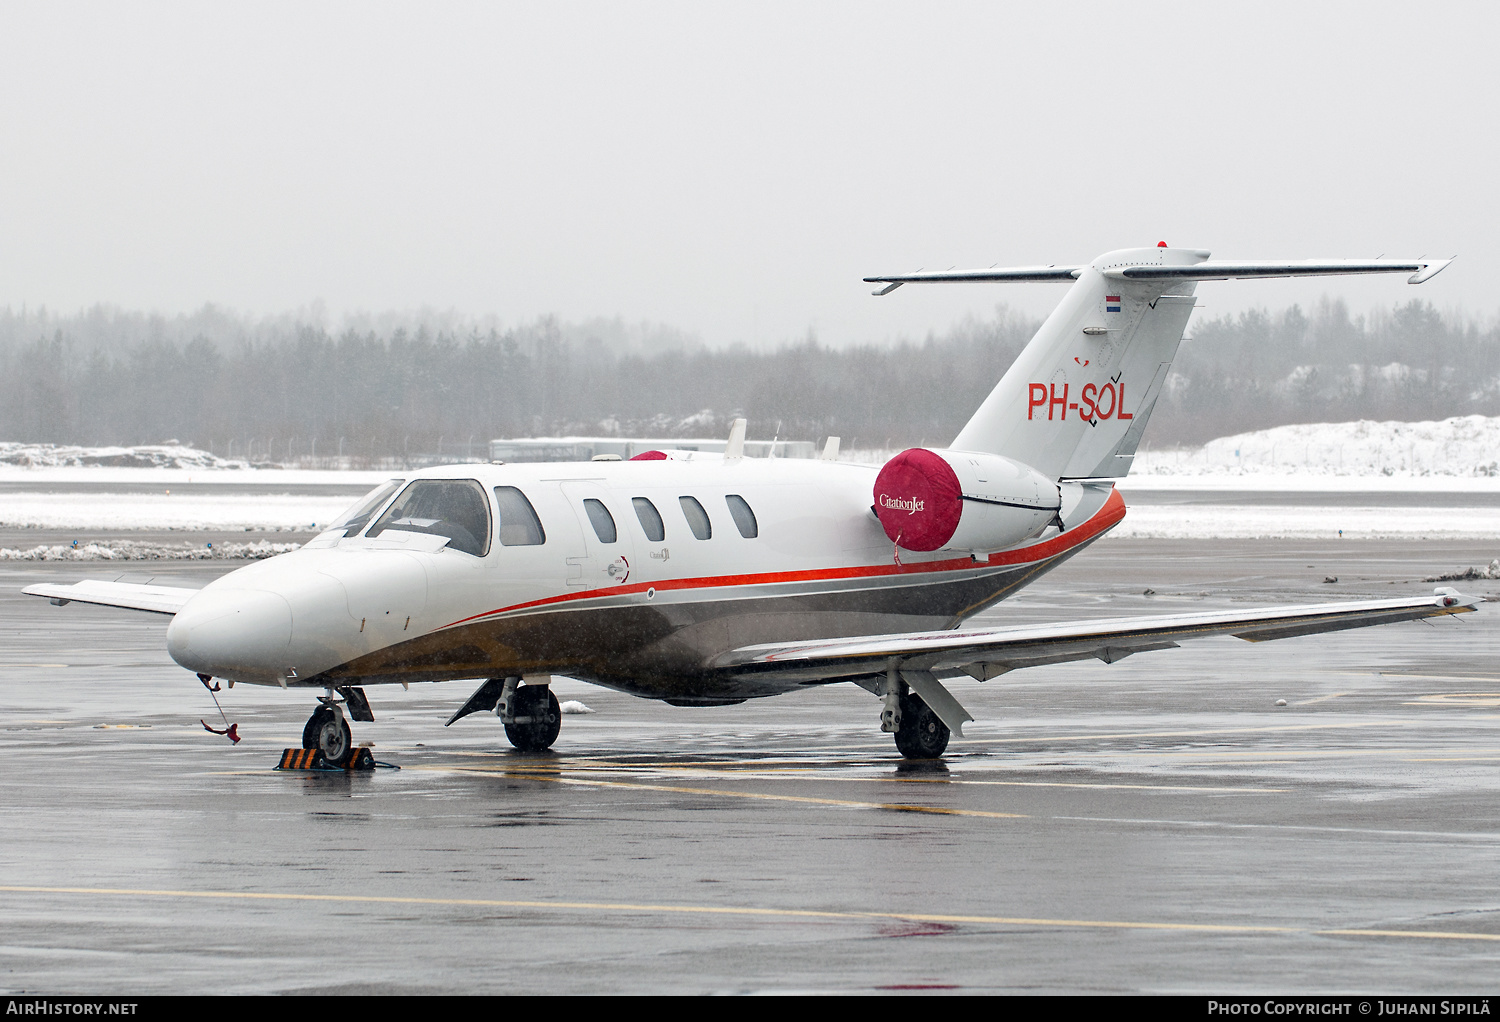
x=328, y=731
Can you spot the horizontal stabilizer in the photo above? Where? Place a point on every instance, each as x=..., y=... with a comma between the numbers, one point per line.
x=1013, y=274
x=1217, y=269
x=126, y=595
x=1108, y=639
x=1209, y=269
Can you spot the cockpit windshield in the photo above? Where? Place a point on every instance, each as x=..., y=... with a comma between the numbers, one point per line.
x=455, y=508
x=358, y=516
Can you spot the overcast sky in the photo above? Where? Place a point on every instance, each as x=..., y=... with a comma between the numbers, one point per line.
x=733, y=170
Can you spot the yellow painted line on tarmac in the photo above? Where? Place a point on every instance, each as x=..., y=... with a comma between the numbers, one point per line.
x=1249, y=758
x=1478, y=700
x=1104, y=785
x=1429, y=934
x=812, y=772
x=1275, y=728
x=721, y=793
x=740, y=910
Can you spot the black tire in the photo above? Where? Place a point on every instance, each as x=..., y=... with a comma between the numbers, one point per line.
x=329, y=732
x=538, y=703
x=922, y=735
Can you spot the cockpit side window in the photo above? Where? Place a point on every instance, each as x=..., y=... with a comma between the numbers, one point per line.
x=651, y=522
x=519, y=525
x=455, y=508
x=358, y=516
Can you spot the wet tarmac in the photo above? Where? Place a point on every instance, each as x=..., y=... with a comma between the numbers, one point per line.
x=1155, y=825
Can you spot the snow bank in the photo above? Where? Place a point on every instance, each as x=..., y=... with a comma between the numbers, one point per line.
x=1330, y=523
x=164, y=511
x=125, y=550
x=1463, y=447
x=168, y=455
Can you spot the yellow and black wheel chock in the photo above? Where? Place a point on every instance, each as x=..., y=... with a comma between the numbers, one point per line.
x=312, y=759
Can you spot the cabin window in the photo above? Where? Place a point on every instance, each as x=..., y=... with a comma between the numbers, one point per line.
x=602, y=521
x=744, y=518
x=650, y=519
x=358, y=516
x=697, y=518
x=455, y=508
x=519, y=525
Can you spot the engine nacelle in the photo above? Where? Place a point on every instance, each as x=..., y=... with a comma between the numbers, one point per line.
x=955, y=500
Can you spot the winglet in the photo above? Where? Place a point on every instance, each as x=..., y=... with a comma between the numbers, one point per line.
x=1431, y=270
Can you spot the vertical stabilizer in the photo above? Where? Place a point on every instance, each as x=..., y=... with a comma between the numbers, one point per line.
x=1075, y=402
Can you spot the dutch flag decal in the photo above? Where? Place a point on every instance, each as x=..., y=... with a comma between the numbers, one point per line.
x=1111, y=303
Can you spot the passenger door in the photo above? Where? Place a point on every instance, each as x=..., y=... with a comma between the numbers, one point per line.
x=607, y=560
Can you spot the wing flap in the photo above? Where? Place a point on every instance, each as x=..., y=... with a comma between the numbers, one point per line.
x=126, y=595
x=1108, y=639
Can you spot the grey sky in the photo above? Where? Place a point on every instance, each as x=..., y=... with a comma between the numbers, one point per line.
x=730, y=169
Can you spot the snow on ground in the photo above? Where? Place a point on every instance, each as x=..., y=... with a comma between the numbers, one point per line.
x=1449, y=459
x=1332, y=522
x=1463, y=447
x=162, y=511
x=125, y=550
x=168, y=455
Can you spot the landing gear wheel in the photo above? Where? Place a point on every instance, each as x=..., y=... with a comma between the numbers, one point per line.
x=538, y=719
x=329, y=732
x=922, y=734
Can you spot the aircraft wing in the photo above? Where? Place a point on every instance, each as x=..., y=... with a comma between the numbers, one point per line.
x=128, y=595
x=989, y=653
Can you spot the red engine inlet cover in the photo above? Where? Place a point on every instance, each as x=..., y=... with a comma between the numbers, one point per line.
x=918, y=500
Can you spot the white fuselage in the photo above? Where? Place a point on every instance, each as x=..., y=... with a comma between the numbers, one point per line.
x=643, y=611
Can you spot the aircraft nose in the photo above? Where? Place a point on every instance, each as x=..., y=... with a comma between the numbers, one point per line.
x=232, y=633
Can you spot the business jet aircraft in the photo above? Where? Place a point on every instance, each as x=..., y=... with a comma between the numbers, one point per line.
x=703, y=580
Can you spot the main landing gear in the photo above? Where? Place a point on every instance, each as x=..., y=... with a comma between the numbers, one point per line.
x=327, y=729
x=918, y=731
x=535, y=718
x=530, y=712
x=921, y=735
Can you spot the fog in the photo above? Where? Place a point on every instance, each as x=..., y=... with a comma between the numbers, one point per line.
x=729, y=171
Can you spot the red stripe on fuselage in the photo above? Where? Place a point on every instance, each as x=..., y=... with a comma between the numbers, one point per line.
x=1105, y=518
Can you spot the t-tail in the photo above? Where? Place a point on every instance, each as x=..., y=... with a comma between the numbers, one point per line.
x=1076, y=401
